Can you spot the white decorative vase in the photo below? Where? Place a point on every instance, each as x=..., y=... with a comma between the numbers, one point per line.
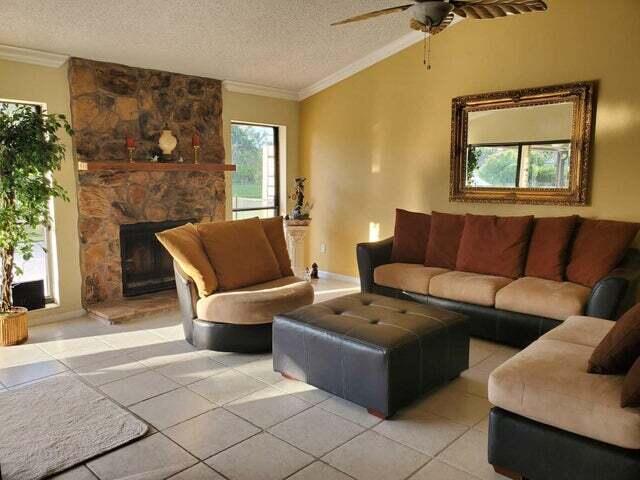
x=167, y=142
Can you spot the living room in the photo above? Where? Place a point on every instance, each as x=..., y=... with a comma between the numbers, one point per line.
x=442, y=279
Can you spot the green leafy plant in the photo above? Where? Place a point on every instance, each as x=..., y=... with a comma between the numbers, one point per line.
x=30, y=150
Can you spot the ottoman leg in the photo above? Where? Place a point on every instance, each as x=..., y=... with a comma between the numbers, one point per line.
x=376, y=413
x=288, y=377
x=508, y=473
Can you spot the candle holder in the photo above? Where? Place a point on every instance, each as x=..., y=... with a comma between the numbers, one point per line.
x=131, y=150
x=196, y=154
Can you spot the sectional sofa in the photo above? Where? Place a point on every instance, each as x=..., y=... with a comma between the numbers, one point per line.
x=518, y=308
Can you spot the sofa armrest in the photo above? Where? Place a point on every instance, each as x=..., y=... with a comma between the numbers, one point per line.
x=371, y=255
x=616, y=292
x=187, y=298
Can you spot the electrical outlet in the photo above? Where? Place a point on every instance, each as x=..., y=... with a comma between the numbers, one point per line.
x=323, y=248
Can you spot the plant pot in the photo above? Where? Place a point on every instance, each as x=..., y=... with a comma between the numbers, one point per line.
x=13, y=327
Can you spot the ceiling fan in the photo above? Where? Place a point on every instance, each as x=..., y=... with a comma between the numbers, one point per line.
x=433, y=16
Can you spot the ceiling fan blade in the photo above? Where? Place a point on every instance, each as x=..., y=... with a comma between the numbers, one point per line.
x=482, y=9
x=377, y=13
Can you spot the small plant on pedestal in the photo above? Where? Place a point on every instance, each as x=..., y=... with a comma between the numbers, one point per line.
x=30, y=150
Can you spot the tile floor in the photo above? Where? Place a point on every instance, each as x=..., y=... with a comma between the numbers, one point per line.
x=219, y=415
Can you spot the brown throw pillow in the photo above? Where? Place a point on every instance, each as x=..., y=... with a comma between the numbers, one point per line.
x=598, y=248
x=549, y=246
x=494, y=245
x=274, y=229
x=620, y=347
x=444, y=239
x=184, y=245
x=239, y=252
x=631, y=386
x=410, y=237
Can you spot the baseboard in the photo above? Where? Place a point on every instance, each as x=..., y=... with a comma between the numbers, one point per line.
x=43, y=317
x=339, y=277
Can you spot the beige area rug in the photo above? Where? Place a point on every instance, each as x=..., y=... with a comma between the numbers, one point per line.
x=57, y=423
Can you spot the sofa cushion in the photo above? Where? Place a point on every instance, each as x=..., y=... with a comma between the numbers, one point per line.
x=184, y=245
x=621, y=347
x=468, y=287
x=544, y=298
x=631, y=386
x=256, y=304
x=549, y=247
x=548, y=382
x=410, y=236
x=410, y=277
x=274, y=230
x=598, y=248
x=444, y=239
x=494, y=245
x=239, y=252
x=581, y=330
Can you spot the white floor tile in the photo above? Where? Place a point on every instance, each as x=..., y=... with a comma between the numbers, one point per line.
x=261, y=457
x=160, y=354
x=262, y=370
x=226, y=387
x=454, y=404
x=350, y=411
x=200, y=471
x=77, y=473
x=27, y=372
x=110, y=369
x=372, y=455
x=171, y=408
x=211, y=432
x=319, y=471
x=469, y=453
x=436, y=470
x=190, y=368
x=302, y=390
x=267, y=407
x=316, y=431
x=139, y=387
x=134, y=339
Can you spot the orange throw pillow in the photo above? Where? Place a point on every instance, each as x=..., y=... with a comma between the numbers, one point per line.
x=549, y=247
x=410, y=237
x=494, y=245
x=444, y=239
x=620, y=348
x=239, y=252
x=274, y=229
x=598, y=248
x=184, y=245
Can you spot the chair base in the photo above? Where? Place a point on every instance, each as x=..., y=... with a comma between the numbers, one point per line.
x=228, y=337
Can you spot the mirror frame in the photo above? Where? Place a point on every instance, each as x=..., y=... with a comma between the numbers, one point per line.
x=581, y=95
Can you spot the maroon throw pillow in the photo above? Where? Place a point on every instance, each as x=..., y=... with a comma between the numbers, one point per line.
x=598, y=248
x=444, y=239
x=410, y=237
x=631, y=386
x=494, y=245
x=549, y=247
x=620, y=348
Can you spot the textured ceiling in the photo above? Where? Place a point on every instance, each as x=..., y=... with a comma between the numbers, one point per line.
x=278, y=43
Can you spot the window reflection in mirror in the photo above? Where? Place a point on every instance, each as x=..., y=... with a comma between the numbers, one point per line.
x=520, y=147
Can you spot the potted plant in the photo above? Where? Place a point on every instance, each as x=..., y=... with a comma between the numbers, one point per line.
x=30, y=150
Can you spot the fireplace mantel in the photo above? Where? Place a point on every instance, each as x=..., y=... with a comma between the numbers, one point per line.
x=155, y=167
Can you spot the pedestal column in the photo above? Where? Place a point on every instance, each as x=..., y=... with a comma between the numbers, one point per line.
x=295, y=244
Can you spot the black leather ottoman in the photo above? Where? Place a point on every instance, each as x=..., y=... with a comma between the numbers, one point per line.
x=378, y=352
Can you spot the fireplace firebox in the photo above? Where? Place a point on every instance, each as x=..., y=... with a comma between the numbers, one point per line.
x=146, y=265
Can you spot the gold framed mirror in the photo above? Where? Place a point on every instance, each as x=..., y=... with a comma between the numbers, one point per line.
x=523, y=146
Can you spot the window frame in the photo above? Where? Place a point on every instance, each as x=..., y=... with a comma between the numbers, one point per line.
x=49, y=240
x=276, y=154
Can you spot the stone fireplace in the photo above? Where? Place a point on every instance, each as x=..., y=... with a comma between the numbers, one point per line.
x=109, y=103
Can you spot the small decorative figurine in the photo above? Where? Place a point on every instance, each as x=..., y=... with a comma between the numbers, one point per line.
x=302, y=209
x=154, y=159
x=167, y=142
x=181, y=159
x=314, y=271
x=307, y=274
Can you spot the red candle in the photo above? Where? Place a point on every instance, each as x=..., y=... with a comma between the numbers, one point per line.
x=195, y=140
x=131, y=142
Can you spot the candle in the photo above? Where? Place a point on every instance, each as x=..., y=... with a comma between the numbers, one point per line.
x=131, y=142
x=195, y=140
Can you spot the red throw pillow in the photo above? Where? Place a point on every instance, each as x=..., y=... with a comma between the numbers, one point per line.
x=410, y=237
x=620, y=348
x=549, y=246
x=444, y=239
x=598, y=248
x=494, y=245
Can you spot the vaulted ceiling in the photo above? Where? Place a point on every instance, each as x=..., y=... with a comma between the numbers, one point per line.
x=286, y=44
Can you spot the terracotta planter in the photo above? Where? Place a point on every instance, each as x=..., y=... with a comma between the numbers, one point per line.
x=13, y=327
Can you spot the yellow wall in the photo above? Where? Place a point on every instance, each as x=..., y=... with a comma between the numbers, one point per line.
x=240, y=107
x=380, y=139
x=19, y=81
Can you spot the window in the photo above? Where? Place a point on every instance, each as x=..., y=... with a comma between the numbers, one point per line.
x=526, y=165
x=255, y=184
x=38, y=267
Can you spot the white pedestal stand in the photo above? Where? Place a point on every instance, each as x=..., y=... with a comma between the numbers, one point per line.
x=295, y=244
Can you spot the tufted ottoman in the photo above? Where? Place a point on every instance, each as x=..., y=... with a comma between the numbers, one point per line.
x=379, y=352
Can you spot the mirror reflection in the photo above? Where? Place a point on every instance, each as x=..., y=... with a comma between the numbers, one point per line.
x=520, y=147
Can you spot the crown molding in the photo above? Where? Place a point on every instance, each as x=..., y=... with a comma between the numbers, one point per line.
x=35, y=57
x=252, y=89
